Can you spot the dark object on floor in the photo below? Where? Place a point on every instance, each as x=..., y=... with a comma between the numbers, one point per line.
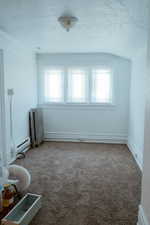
x=84, y=184
x=21, y=155
x=17, y=195
x=36, y=127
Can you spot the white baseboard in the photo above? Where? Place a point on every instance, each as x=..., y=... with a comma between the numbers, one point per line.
x=85, y=137
x=142, y=219
x=24, y=146
x=138, y=159
x=14, y=159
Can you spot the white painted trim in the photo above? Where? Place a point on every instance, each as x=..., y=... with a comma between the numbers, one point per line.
x=138, y=160
x=25, y=144
x=2, y=112
x=142, y=219
x=85, y=137
x=66, y=64
x=77, y=106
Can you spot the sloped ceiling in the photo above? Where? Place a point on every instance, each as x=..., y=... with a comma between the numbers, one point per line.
x=115, y=26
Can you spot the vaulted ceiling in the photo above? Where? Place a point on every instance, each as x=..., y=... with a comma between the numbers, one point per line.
x=116, y=26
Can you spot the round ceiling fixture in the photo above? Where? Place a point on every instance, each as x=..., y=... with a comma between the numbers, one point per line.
x=67, y=22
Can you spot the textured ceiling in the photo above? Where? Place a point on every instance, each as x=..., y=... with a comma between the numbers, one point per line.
x=116, y=26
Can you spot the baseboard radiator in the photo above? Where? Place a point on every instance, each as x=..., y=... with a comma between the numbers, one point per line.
x=36, y=127
x=24, y=145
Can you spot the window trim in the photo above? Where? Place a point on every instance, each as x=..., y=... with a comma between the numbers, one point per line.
x=40, y=85
x=62, y=84
x=65, y=104
x=87, y=90
x=77, y=106
x=111, y=82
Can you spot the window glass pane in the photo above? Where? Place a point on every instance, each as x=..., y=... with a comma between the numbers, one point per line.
x=77, y=84
x=101, y=86
x=54, y=86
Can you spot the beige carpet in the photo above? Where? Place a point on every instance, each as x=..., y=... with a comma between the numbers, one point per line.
x=84, y=184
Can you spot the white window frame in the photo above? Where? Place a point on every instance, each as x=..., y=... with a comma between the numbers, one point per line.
x=63, y=86
x=89, y=104
x=41, y=85
x=112, y=86
x=86, y=85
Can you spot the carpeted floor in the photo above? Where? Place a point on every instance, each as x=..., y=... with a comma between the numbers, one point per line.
x=84, y=184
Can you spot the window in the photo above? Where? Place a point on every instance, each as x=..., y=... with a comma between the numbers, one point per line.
x=78, y=85
x=101, y=86
x=54, y=86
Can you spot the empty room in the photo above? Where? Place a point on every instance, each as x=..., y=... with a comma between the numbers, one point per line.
x=74, y=112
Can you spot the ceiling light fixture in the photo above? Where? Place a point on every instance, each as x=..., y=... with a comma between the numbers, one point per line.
x=67, y=22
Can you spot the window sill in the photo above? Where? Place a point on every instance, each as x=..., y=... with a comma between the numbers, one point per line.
x=77, y=106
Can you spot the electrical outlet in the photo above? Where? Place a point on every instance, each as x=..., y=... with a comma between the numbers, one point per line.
x=10, y=91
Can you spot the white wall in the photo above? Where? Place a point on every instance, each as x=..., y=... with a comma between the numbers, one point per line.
x=144, y=213
x=109, y=124
x=137, y=106
x=19, y=74
x=2, y=115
